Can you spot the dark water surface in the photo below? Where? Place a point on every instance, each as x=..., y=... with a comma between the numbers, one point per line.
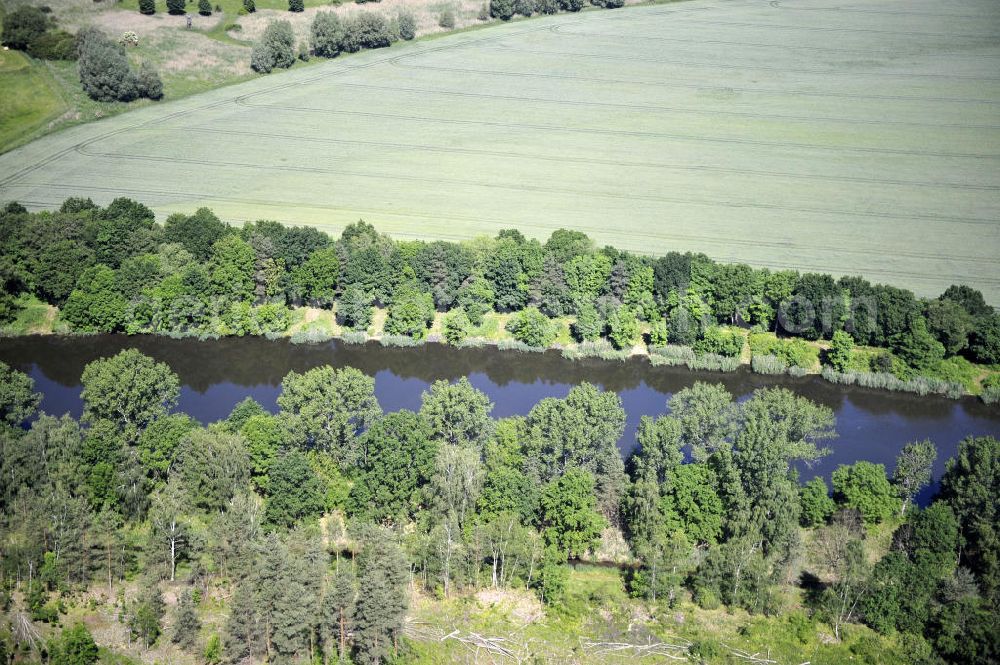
x=215, y=375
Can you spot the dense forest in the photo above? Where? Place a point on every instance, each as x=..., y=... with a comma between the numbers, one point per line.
x=314, y=527
x=116, y=269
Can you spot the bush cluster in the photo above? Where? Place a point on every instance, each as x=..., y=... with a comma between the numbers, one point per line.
x=107, y=75
x=29, y=29
x=406, y=25
x=276, y=48
x=331, y=36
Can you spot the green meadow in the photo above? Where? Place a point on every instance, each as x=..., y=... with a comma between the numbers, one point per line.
x=853, y=139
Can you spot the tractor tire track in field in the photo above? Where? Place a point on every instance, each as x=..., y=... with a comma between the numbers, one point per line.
x=693, y=86
x=986, y=37
x=597, y=161
x=618, y=37
x=779, y=4
x=554, y=190
x=663, y=109
x=274, y=88
x=763, y=68
x=617, y=132
x=527, y=224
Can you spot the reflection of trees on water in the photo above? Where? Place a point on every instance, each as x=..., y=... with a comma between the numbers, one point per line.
x=873, y=425
x=257, y=361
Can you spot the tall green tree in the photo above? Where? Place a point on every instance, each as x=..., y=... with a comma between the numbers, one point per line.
x=338, y=608
x=129, y=391
x=970, y=485
x=398, y=462
x=187, y=625
x=569, y=518
x=382, y=599
x=294, y=490
x=328, y=409
x=580, y=431
x=316, y=280
x=75, y=646
x=708, y=417
x=913, y=470
x=864, y=486
x=197, y=232
x=457, y=413
x=212, y=467
x=18, y=402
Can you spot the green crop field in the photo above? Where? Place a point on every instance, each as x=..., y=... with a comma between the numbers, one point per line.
x=861, y=137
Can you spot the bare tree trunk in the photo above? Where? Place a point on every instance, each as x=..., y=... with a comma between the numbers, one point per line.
x=343, y=635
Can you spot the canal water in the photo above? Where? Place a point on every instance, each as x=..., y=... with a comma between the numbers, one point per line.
x=215, y=375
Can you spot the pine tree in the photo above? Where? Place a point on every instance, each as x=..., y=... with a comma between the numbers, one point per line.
x=147, y=615
x=187, y=625
x=269, y=586
x=338, y=607
x=147, y=6
x=381, y=604
x=242, y=635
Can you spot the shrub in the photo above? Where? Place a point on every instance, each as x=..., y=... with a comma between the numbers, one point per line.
x=524, y=7
x=327, y=34
x=991, y=389
x=502, y=9
x=713, y=362
x=314, y=336
x=276, y=48
x=204, y=7
x=54, y=45
x=817, y=506
x=623, y=328
x=355, y=309
x=104, y=69
x=261, y=58
x=841, y=351
x=571, y=5
x=407, y=25
x=793, y=352
x=24, y=25
x=176, y=7
x=921, y=385
x=148, y=83
x=250, y=6
x=303, y=52
x=147, y=7
x=658, y=335
x=447, y=19
x=721, y=342
x=588, y=325
x=354, y=337
x=410, y=313
x=456, y=326
x=956, y=370
x=484, y=12
x=365, y=30
x=547, y=6
x=531, y=327
x=296, y=5
x=864, y=486
x=400, y=340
